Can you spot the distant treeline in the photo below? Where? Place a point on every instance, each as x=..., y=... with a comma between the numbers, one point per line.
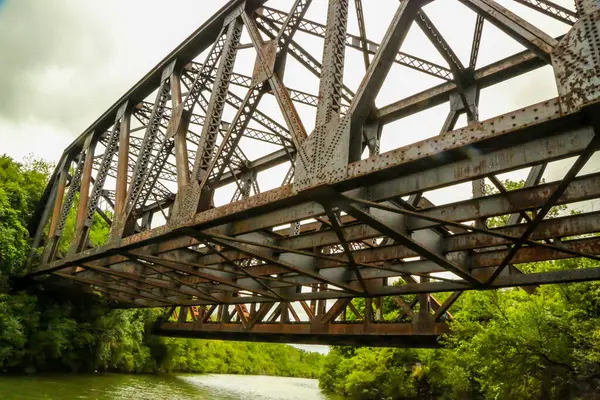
x=45, y=331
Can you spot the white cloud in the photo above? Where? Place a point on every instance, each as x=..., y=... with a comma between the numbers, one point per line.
x=64, y=62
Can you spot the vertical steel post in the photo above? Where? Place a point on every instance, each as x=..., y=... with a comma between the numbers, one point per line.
x=84, y=190
x=58, y=202
x=122, y=172
x=332, y=74
x=181, y=154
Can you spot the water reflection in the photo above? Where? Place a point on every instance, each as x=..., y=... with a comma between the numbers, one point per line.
x=233, y=387
x=152, y=387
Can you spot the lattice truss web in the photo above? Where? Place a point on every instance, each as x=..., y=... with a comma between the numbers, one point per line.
x=293, y=155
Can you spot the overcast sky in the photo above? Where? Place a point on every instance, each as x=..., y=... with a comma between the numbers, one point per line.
x=64, y=62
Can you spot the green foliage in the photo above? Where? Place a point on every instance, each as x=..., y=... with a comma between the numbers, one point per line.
x=504, y=344
x=48, y=331
x=39, y=334
x=370, y=373
x=21, y=185
x=515, y=345
x=201, y=356
x=13, y=236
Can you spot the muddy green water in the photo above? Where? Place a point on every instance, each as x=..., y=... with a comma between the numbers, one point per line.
x=136, y=387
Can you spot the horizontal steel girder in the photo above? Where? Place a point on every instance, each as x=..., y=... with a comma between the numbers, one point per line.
x=339, y=334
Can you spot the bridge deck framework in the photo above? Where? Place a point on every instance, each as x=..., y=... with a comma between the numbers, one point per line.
x=347, y=221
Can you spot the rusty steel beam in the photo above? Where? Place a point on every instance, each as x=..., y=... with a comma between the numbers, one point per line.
x=361, y=42
x=484, y=77
x=519, y=29
x=347, y=334
x=551, y=9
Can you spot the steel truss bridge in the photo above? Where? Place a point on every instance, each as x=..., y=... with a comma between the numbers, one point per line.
x=346, y=220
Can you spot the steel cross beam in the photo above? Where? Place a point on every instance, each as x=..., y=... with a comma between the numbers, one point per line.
x=285, y=264
x=367, y=46
x=519, y=29
x=551, y=9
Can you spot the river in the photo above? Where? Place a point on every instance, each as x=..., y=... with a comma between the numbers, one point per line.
x=157, y=387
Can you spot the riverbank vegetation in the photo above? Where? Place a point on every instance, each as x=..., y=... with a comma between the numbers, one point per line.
x=505, y=345
x=45, y=331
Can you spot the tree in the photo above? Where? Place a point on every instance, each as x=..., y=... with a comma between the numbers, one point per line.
x=21, y=185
